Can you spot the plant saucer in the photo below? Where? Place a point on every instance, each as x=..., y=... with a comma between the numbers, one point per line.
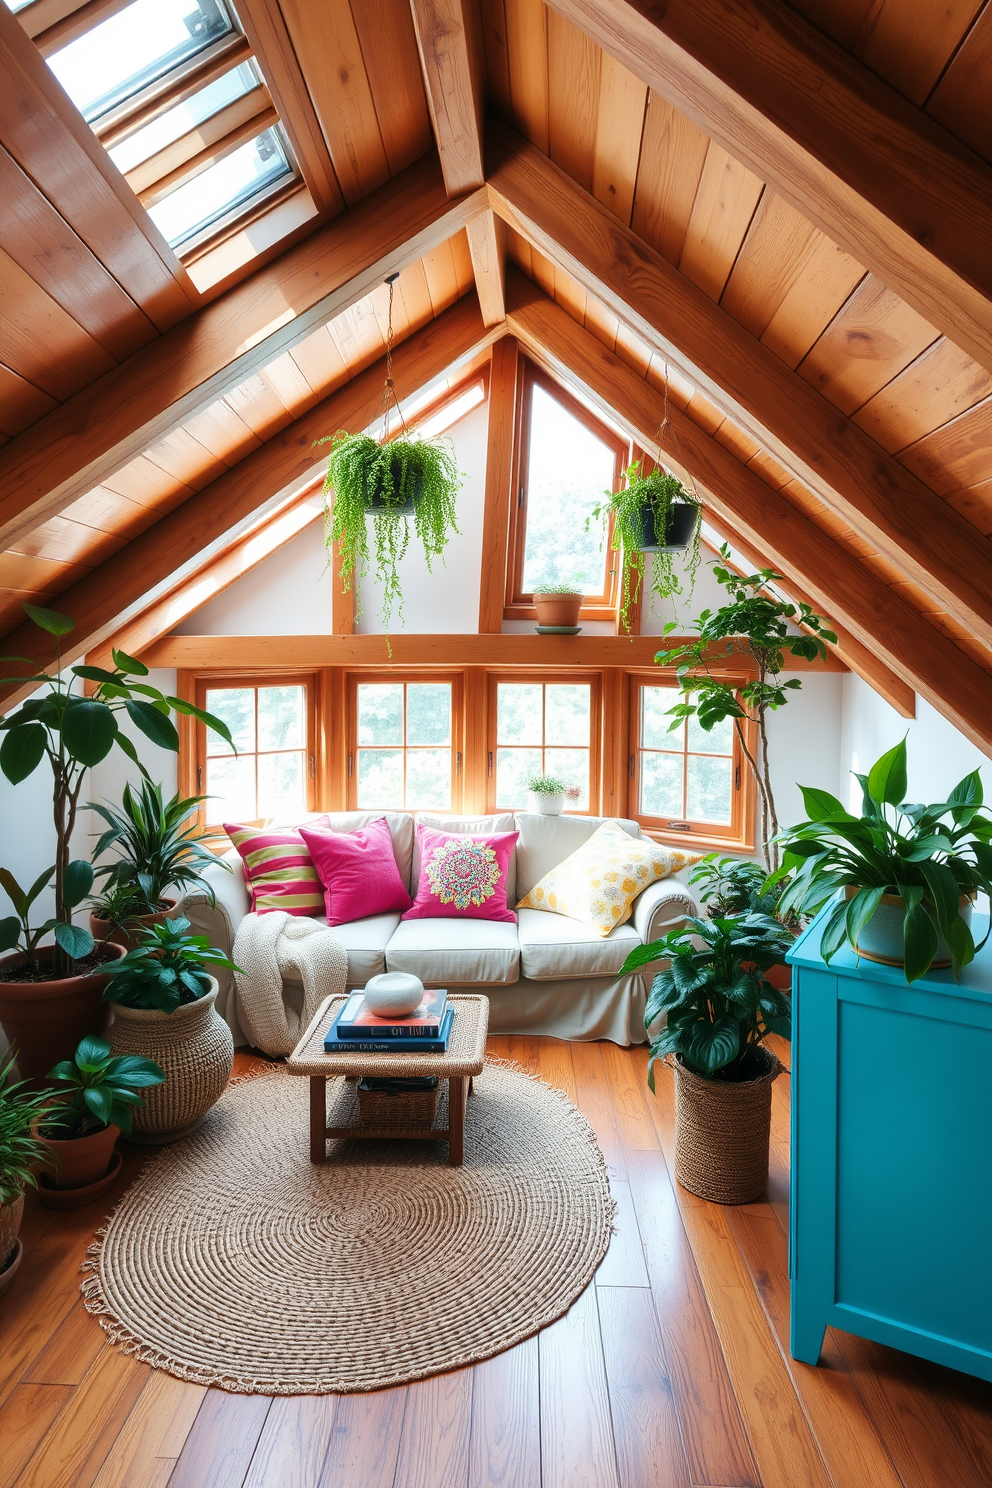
x=75, y=1198
x=557, y=629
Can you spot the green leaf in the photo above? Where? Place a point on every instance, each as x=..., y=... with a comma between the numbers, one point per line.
x=77, y=881
x=74, y=940
x=21, y=751
x=713, y=1045
x=887, y=781
x=859, y=911
x=94, y=674
x=65, y=1071
x=125, y=663
x=967, y=792
x=919, y=941
x=821, y=806
x=53, y=621
x=92, y=1052
x=88, y=730
x=944, y=891
x=958, y=939
x=100, y=1102
x=155, y=725
x=10, y=930
x=834, y=933
x=137, y=1072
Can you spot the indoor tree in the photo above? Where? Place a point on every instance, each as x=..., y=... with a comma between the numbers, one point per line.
x=755, y=622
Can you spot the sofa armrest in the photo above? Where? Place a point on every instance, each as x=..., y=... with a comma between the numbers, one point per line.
x=663, y=906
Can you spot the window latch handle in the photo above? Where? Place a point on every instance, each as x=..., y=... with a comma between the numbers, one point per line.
x=351, y=765
x=458, y=762
x=630, y=767
x=313, y=766
x=199, y=779
x=490, y=762
x=678, y=826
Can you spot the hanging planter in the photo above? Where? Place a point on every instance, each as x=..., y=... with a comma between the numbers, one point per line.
x=389, y=479
x=656, y=514
x=680, y=525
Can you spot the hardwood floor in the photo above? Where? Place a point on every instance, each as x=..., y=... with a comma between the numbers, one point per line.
x=671, y=1370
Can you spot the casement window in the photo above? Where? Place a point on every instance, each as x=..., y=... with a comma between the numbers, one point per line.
x=404, y=749
x=543, y=728
x=686, y=781
x=272, y=723
x=171, y=90
x=566, y=463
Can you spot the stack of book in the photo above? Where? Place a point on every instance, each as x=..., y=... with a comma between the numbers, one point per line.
x=426, y=1030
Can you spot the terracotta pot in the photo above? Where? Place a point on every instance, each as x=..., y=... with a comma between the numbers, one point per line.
x=780, y=977
x=558, y=609
x=76, y=1162
x=195, y=1048
x=10, y=1224
x=102, y=930
x=10, y=1270
x=46, y=1020
x=721, y=1132
x=882, y=938
x=77, y=1198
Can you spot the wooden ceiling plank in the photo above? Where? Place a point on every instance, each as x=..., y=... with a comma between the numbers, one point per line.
x=487, y=244
x=21, y=402
x=871, y=339
x=909, y=44
x=673, y=153
x=841, y=19
x=961, y=99
x=527, y=48
x=190, y=367
x=847, y=150
x=958, y=454
x=169, y=552
x=492, y=15
x=385, y=30
x=40, y=341
x=47, y=136
x=974, y=502
x=623, y=103
x=416, y=297
x=940, y=384
x=825, y=277
x=451, y=63
x=768, y=263
x=742, y=378
x=574, y=84
x=461, y=259
x=320, y=362
x=220, y=430
x=181, y=455
x=792, y=543
x=109, y=511
x=69, y=541
x=726, y=200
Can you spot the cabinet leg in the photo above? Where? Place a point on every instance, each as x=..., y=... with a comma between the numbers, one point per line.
x=806, y=1338
x=318, y=1118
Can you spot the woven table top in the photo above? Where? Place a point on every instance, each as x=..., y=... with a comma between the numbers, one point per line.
x=466, y=1048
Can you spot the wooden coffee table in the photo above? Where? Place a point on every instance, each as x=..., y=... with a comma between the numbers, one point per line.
x=465, y=1058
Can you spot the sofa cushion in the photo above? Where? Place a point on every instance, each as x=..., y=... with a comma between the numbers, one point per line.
x=400, y=824
x=467, y=826
x=462, y=876
x=553, y=946
x=358, y=872
x=278, y=868
x=365, y=941
x=456, y=952
x=546, y=841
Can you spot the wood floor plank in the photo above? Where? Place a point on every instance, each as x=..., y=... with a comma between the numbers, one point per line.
x=153, y=1436
x=26, y=1418
x=294, y=1442
x=434, y=1440
x=593, y=1096
x=524, y=1051
x=70, y=1351
x=219, y=1448
x=555, y=1059
x=649, y=1446
x=627, y=1073
x=577, y=1448
x=81, y=1438
x=623, y=1264
x=365, y=1440
x=505, y=1445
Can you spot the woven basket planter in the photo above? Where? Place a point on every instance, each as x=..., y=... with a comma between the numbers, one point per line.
x=722, y=1131
x=10, y=1224
x=195, y=1048
x=397, y=1110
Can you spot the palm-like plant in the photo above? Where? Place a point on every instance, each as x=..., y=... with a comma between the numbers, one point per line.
x=20, y=1150
x=718, y=1003
x=101, y=1089
x=157, y=842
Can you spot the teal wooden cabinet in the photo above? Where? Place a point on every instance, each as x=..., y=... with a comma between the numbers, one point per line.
x=891, y=1201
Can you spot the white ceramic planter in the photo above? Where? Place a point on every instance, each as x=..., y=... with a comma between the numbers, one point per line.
x=195, y=1048
x=545, y=805
x=882, y=938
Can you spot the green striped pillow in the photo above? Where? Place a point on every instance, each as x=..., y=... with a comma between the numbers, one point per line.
x=279, y=870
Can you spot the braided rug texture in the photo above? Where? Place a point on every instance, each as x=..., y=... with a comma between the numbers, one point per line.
x=234, y=1261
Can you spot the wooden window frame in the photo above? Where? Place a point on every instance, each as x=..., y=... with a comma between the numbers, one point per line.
x=518, y=603
x=199, y=685
x=539, y=678
x=456, y=679
x=739, y=834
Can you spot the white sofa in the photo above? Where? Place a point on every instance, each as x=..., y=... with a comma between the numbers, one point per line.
x=546, y=974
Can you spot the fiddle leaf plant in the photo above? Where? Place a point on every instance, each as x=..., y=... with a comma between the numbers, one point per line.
x=74, y=733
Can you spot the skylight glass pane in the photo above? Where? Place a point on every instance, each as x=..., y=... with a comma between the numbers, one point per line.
x=569, y=470
x=231, y=183
x=133, y=48
x=185, y=116
x=16, y=5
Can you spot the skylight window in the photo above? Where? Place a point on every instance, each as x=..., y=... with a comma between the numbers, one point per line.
x=172, y=125
x=134, y=48
x=227, y=187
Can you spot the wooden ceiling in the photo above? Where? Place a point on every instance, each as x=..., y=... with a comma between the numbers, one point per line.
x=831, y=375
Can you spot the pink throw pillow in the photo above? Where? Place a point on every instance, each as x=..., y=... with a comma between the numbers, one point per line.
x=463, y=877
x=358, y=871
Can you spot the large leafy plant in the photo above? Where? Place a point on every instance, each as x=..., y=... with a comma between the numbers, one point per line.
x=929, y=855
x=659, y=490
x=754, y=623
x=165, y=970
x=73, y=733
x=20, y=1150
x=719, y=1005
x=368, y=478
x=157, y=845
x=99, y=1089
x=738, y=886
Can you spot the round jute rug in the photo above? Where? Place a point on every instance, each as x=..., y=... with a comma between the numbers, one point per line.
x=234, y=1261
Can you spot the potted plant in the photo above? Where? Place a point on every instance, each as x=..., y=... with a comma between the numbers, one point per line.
x=20, y=1151
x=738, y=886
x=50, y=995
x=96, y=1094
x=907, y=874
x=163, y=1000
x=719, y=1007
x=652, y=513
x=759, y=624
x=158, y=847
x=546, y=795
x=389, y=482
x=558, y=604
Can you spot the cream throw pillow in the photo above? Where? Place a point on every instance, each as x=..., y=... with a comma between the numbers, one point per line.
x=600, y=881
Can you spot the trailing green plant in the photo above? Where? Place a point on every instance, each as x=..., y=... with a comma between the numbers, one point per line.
x=20, y=1150
x=157, y=842
x=165, y=970
x=121, y=905
x=661, y=491
x=360, y=470
x=547, y=785
x=97, y=1089
x=930, y=856
x=738, y=886
x=75, y=732
x=718, y=1004
x=755, y=623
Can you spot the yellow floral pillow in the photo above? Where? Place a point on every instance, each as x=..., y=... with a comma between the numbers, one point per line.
x=600, y=881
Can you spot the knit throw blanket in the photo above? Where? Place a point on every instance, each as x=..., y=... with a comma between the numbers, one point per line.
x=265, y=947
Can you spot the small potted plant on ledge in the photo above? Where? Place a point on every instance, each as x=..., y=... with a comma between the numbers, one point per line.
x=652, y=513
x=719, y=1007
x=907, y=874
x=163, y=999
x=557, y=604
x=546, y=795
x=95, y=1097
x=20, y=1153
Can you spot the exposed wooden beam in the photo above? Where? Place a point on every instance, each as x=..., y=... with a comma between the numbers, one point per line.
x=499, y=475
x=935, y=546
x=115, y=418
x=178, y=545
x=310, y=651
x=487, y=245
x=877, y=174
x=450, y=59
x=841, y=587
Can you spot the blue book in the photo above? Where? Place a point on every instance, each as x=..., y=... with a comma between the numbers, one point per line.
x=419, y=1045
x=356, y=1022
